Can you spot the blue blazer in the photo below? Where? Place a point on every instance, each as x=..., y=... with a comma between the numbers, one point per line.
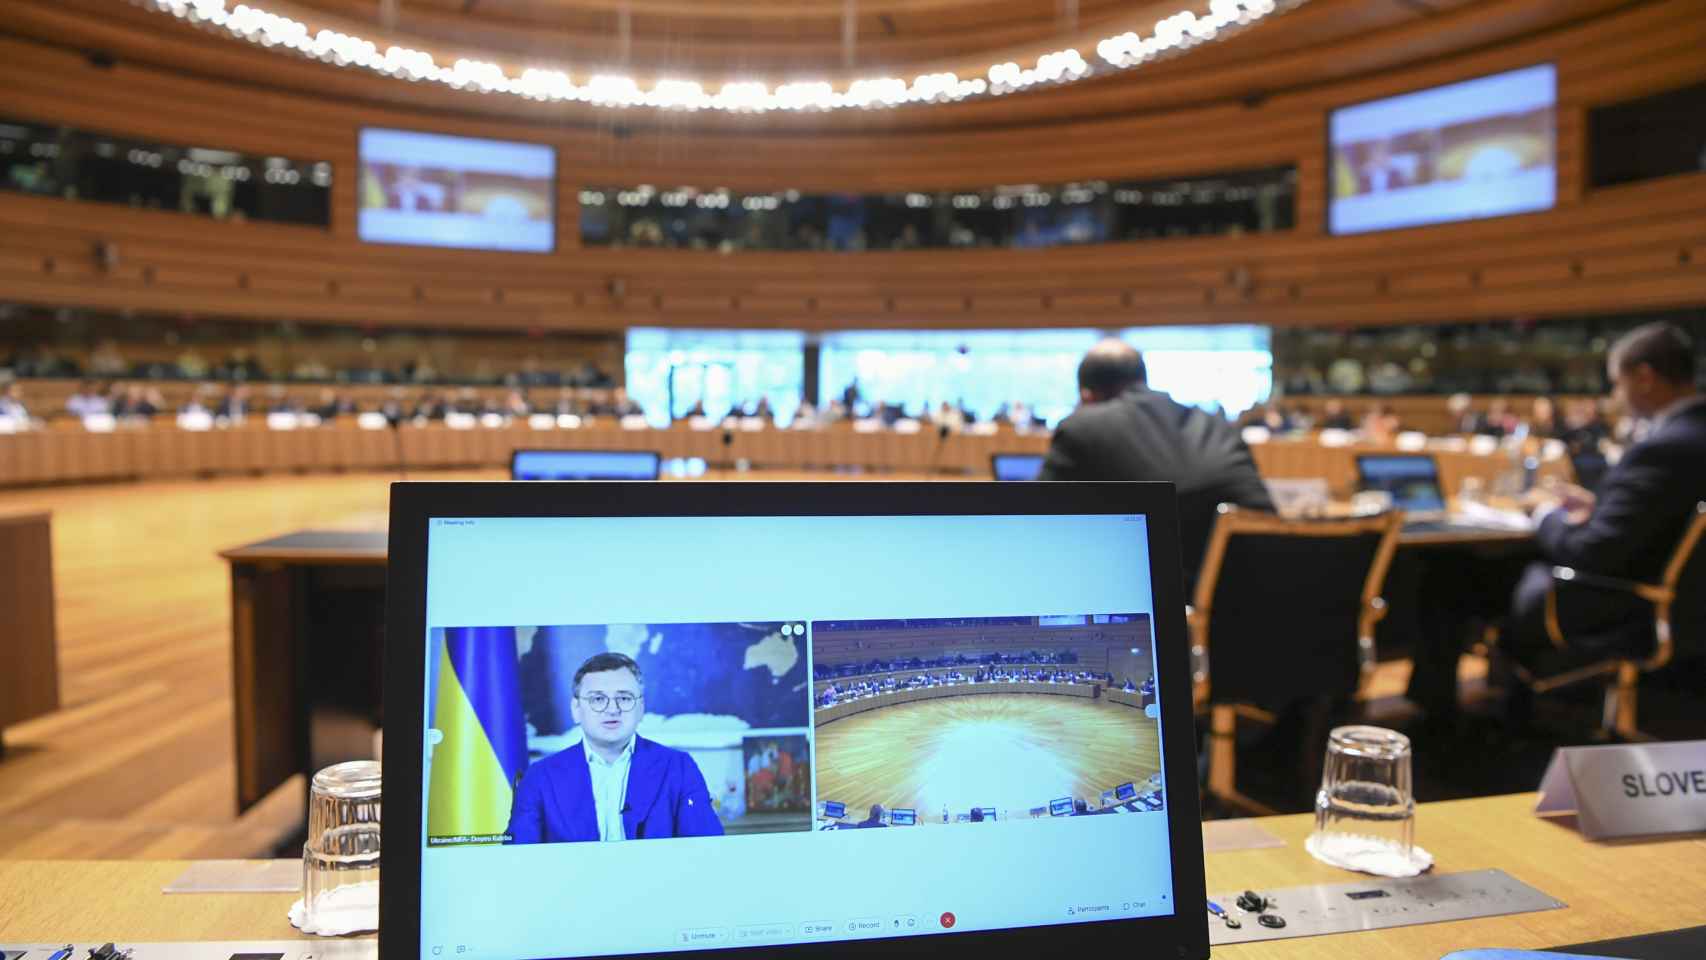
x=666, y=797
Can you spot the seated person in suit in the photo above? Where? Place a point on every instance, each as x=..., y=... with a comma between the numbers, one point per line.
x=875, y=819
x=1125, y=431
x=1630, y=528
x=614, y=784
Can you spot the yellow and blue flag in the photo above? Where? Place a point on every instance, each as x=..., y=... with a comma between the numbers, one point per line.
x=483, y=751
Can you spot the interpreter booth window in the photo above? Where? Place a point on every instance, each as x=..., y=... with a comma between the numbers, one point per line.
x=716, y=374
x=1658, y=136
x=98, y=166
x=1030, y=378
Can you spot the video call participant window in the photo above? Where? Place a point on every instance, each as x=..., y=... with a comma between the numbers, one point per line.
x=643, y=754
x=436, y=190
x=1485, y=147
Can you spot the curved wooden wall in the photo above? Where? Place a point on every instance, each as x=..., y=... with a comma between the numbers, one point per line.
x=1633, y=247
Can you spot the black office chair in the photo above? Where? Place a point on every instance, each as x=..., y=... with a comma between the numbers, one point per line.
x=1678, y=603
x=1286, y=609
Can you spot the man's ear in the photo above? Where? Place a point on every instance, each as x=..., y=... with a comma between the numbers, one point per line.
x=1085, y=396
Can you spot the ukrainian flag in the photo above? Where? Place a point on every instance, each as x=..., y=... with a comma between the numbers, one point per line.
x=483, y=751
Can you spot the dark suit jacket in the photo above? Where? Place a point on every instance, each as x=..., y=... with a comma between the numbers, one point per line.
x=1145, y=435
x=1644, y=503
x=666, y=797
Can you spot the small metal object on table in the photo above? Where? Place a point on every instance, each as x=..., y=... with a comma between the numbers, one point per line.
x=1375, y=904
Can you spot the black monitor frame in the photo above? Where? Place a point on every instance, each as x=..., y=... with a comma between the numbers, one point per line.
x=1181, y=936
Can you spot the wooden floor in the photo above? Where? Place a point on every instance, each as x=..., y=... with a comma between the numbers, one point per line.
x=1013, y=752
x=138, y=763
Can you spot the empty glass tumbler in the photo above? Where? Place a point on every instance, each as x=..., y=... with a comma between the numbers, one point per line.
x=340, y=861
x=1365, y=811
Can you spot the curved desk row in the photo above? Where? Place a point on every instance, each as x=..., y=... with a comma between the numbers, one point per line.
x=1128, y=699
x=908, y=673
x=823, y=715
x=163, y=451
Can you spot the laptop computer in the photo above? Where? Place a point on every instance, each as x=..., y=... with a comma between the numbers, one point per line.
x=1412, y=480
x=584, y=465
x=671, y=628
x=1016, y=466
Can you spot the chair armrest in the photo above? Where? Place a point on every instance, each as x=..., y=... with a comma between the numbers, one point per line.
x=1652, y=593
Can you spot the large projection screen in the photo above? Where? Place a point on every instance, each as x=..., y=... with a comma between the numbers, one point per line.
x=1485, y=147
x=431, y=189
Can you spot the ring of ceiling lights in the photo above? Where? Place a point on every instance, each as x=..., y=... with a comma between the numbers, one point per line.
x=1170, y=35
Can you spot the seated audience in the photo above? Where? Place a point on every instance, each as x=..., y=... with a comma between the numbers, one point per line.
x=1334, y=417
x=87, y=401
x=1380, y=424
x=12, y=404
x=1125, y=431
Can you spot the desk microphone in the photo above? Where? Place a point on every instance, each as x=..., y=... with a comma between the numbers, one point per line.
x=941, y=443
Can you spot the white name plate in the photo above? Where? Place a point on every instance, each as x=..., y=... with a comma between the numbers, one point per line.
x=1628, y=790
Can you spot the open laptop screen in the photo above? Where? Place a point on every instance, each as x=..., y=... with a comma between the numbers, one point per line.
x=583, y=465
x=1412, y=480
x=1016, y=466
x=719, y=702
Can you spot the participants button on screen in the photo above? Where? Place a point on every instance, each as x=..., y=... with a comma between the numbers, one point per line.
x=817, y=929
x=702, y=936
x=859, y=925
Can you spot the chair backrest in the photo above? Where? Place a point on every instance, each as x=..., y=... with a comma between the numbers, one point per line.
x=1287, y=607
x=1685, y=582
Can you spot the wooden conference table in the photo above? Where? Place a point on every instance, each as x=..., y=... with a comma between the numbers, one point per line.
x=1612, y=890
x=307, y=631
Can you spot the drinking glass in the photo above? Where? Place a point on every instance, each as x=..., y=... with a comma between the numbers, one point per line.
x=1365, y=811
x=340, y=861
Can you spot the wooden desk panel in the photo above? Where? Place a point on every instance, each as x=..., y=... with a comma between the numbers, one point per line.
x=29, y=657
x=1613, y=890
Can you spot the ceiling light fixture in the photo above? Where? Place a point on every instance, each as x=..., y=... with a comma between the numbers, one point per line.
x=1172, y=34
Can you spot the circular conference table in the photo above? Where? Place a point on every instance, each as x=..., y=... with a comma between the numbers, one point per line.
x=1083, y=691
x=69, y=453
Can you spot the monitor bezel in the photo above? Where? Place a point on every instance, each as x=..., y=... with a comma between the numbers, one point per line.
x=1430, y=459
x=657, y=463
x=1182, y=935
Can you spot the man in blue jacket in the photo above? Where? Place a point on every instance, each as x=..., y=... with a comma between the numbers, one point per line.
x=614, y=784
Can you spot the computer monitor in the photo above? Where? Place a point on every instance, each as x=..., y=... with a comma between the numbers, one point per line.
x=988, y=813
x=678, y=625
x=1412, y=479
x=1107, y=798
x=1125, y=791
x=1060, y=808
x=584, y=465
x=834, y=809
x=903, y=818
x=1016, y=466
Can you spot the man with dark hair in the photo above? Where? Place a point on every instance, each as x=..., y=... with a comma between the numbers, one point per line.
x=614, y=784
x=1631, y=526
x=1125, y=431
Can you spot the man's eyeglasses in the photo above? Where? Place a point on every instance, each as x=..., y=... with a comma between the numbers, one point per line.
x=600, y=703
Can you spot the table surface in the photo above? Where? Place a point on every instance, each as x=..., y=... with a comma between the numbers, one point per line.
x=370, y=546
x=1613, y=890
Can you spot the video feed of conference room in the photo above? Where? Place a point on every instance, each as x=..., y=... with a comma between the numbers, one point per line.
x=984, y=720
x=711, y=737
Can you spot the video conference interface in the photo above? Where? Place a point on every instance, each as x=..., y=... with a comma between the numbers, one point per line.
x=668, y=696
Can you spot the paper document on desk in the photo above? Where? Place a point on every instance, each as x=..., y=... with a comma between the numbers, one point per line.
x=1482, y=515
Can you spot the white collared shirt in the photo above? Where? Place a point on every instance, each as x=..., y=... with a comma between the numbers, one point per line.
x=610, y=790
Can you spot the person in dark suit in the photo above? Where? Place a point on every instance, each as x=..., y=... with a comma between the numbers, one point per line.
x=614, y=785
x=875, y=819
x=1126, y=431
x=1630, y=528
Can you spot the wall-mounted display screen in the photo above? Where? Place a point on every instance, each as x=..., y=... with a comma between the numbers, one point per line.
x=1480, y=148
x=434, y=190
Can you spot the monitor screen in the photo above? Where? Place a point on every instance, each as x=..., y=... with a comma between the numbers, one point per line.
x=988, y=813
x=662, y=696
x=1125, y=791
x=435, y=190
x=1480, y=148
x=1413, y=481
x=1060, y=807
x=583, y=465
x=834, y=810
x=1016, y=466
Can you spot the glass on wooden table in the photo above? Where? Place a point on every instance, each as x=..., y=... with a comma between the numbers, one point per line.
x=1365, y=811
x=340, y=861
